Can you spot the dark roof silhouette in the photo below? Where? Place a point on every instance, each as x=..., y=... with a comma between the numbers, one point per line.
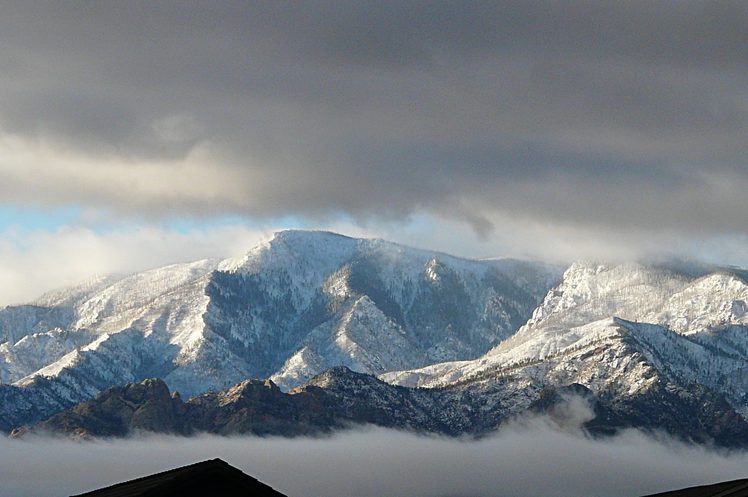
x=208, y=478
x=734, y=488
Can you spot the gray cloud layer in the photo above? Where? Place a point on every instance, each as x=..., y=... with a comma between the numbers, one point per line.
x=530, y=461
x=586, y=113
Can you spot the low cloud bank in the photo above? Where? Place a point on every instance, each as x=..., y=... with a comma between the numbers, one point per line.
x=532, y=459
x=34, y=262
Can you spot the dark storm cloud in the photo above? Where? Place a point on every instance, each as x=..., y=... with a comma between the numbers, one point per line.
x=590, y=113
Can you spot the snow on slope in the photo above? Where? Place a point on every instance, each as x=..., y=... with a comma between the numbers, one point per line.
x=628, y=325
x=76, y=294
x=636, y=335
x=420, y=307
x=350, y=342
x=108, y=307
x=293, y=306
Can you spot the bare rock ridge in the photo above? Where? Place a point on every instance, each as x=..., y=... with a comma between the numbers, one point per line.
x=341, y=398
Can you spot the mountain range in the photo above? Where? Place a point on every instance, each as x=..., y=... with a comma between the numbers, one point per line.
x=289, y=309
x=338, y=331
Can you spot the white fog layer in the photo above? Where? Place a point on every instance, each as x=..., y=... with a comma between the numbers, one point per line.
x=528, y=461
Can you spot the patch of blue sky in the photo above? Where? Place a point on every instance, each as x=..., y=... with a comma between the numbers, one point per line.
x=16, y=220
x=29, y=219
x=37, y=219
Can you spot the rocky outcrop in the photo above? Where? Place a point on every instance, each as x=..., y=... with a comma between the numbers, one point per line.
x=145, y=406
x=340, y=398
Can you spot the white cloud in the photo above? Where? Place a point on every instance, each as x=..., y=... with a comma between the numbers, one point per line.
x=551, y=241
x=32, y=263
x=526, y=461
x=35, y=171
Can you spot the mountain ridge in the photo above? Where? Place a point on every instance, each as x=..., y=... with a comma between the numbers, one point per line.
x=291, y=307
x=342, y=399
x=650, y=346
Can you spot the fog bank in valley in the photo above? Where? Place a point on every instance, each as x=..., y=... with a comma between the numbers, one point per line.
x=532, y=459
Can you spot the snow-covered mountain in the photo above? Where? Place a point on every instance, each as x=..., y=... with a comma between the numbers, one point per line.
x=623, y=331
x=652, y=346
x=293, y=307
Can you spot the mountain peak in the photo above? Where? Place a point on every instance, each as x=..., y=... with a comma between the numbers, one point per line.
x=296, y=235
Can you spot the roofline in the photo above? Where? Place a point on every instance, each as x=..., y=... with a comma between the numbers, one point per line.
x=209, y=462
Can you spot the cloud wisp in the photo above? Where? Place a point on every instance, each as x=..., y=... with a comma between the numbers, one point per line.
x=33, y=262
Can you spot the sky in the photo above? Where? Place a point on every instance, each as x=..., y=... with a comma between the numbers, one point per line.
x=135, y=134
